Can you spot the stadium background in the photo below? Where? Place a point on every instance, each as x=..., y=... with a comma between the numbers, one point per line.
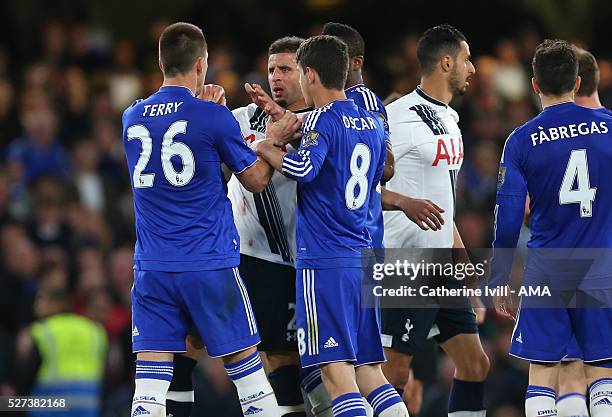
x=67, y=71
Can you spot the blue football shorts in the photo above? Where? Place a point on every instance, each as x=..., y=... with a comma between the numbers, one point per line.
x=555, y=334
x=332, y=324
x=165, y=306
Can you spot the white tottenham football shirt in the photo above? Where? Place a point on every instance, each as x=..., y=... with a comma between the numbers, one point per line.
x=428, y=152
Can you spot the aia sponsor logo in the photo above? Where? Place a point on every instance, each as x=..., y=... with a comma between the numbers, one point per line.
x=449, y=150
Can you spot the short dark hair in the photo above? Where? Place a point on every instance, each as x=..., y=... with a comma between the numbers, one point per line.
x=328, y=56
x=287, y=44
x=555, y=67
x=180, y=45
x=588, y=70
x=349, y=35
x=436, y=42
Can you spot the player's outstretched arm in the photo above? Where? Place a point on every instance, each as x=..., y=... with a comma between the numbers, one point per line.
x=253, y=173
x=256, y=177
x=424, y=213
x=272, y=154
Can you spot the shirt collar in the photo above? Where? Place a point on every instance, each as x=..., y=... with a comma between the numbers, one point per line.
x=176, y=88
x=422, y=93
x=354, y=87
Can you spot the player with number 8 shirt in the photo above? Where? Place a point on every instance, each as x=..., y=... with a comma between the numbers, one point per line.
x=340, y=159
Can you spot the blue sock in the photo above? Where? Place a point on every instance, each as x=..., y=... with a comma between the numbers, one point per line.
x=383, y=398
x=466, y=397
x=349, y=405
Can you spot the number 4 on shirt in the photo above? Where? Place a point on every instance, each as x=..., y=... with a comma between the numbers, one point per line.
x=578, y=171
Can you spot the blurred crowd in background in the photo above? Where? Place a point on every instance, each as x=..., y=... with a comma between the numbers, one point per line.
x=66, y=214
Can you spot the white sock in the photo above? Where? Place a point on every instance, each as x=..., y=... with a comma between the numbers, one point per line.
x=386, y=402
x=572, y=405
x=254, y=391
x=319, y=399
x=540, y=402
x=601, y=397
x=396, y=410
x=369, y=409
x=152, y=383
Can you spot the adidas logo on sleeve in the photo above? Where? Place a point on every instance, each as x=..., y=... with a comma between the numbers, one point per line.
x=330, y=343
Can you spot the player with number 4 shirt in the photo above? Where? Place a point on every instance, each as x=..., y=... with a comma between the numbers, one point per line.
x=561, y=159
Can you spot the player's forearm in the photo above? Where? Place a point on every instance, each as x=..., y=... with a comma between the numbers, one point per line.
x=256, y=177
x=392, y=201
x=271, y=154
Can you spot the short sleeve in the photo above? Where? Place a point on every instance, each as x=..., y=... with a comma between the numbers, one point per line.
x=230, y=143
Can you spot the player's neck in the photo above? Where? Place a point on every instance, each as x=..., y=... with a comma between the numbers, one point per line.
x=181, y=81
x=353, y=79
x=548, y=101
x=325, y=96
x=436, y=88
x=591, y=101
x=298, y=105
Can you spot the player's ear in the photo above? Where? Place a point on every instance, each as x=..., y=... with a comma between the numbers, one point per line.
x=577, y=84
x=311, y=75
x=446, y=63
x=201, y=66
x=161, y=66
x=356, y=63
x=536, y=87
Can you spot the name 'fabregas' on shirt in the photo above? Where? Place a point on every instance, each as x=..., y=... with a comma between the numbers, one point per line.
x=567, y=132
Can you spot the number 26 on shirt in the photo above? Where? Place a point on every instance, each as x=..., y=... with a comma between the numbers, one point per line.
x=169, y=148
